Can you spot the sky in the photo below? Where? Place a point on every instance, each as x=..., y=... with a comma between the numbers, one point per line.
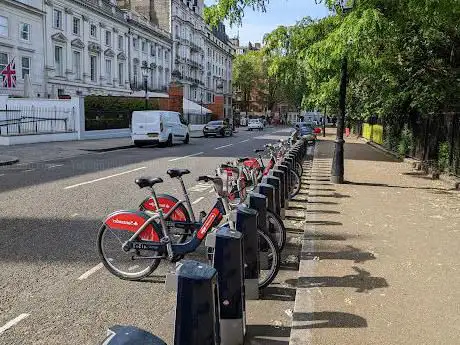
x=279, y=12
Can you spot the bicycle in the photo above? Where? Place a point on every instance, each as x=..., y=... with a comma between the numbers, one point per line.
x=138, y=236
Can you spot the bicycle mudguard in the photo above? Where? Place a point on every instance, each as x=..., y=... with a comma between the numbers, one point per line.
x=252, y=163
x=131, y=221
x=166, y=202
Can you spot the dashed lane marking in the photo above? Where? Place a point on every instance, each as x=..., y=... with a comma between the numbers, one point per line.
x=222, y=147
x=197, y=200
x=244, y=141
x=91, y=271
x=53, y=166
x=104, y=178
x=13, y=322
x=178, y=158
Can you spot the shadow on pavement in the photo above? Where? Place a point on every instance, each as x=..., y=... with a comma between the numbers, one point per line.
x=384, y=185
x=329, y=236
x=333, y=195
x=278, y=294
x=265, y=332
x=329, y=319
x=364, y=152
x=363, y=281
x=351, y=253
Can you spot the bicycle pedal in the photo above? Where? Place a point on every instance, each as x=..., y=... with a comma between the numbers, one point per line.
x=177, y=258
x=203, y=215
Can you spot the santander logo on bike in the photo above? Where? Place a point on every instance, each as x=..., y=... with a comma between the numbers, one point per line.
x=125, y=222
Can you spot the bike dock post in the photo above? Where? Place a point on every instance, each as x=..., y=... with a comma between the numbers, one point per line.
x=195, y=285
x=245, y=220
x=228, y=262
x=287, y=182
x=269, y=192
x=282, y=188
x=276, y=183
x=258, y=202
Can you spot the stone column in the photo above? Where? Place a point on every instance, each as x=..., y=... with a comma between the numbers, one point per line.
x=101, y=55
x=85, y=30
x=68, y=23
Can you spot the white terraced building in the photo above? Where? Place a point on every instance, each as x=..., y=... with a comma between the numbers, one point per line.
x=81, y=47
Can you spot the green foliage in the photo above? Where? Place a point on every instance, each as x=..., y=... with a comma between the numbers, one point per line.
x=443, y=156
x=406, y=142
x=109, y=112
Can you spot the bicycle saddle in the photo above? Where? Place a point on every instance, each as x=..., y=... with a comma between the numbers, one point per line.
x=242, y=159
x=207, y=178
x=177, y=172
x=259, y=150
x=143, y=182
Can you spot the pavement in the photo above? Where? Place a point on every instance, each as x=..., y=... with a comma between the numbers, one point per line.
x=380, y=255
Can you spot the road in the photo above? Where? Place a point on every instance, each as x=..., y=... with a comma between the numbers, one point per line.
x=52, y=287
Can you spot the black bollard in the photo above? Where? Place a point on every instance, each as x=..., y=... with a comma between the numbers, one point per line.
x=196, y=315
x=228, y=261
x=245, y=220
x=269, y=192
x=276, y=183
x=282, y=188
x=130, y=335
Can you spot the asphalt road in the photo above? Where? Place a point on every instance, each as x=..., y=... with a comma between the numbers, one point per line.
x=52, y=287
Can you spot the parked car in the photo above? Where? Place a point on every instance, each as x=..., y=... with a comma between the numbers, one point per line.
x=255, y=124
x=158, y=127
x=219, y=127
x=306, y=130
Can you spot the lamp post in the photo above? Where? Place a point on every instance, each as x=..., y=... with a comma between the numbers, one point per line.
x=145, y=74
x=324, y=121
x=337, y=170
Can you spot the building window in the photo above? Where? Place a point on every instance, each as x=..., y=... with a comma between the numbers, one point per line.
x=121, y=78
x=108, y=38
x=3, y=26
x=24, y=31
x=76, y=26
x=77, y=64
x=134, y=42
x=108, y=70
x=152, y=49
x=135, y=74
x=144, y=46
x=3, y=60
x=93, y=68
x=120, y=42
x=25, y=64
x=93, y=31
x=57, y=19
x=58, y=60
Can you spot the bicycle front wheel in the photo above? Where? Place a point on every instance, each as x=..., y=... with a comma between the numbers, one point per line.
x=269, y=259
x=130, y=265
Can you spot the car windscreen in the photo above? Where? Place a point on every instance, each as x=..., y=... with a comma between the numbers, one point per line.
x=215, y=123
x=254, y=121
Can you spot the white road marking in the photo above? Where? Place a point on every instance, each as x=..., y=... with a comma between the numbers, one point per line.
x=197, y=200
x=2, y=174
x=55, y=166
x=244, y=141
x=211, y=191
x=193, y=155
x=104, y=178
x=200, y=187
x=29, y=170
x=13, y=322
x=74, y=215
x=91, y=271
x=222, y=147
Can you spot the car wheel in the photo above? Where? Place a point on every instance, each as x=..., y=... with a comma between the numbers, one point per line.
x=169, y=143
x=222, y=132
x=138, y=144
x=187, y=139
x=205, y=135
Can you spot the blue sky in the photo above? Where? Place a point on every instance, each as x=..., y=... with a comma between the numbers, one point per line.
x=279, y=12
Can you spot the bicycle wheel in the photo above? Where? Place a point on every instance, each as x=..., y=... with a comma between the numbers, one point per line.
x=276, y=229
x=122, y=263
x=269, y=258
x=299, y=169
x=295, y=184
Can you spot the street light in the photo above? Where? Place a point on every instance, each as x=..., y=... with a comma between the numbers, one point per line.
x=145, y=73
x=337, y=170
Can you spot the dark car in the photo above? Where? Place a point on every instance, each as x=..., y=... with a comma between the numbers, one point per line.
x=219, y=127
x=306, y=130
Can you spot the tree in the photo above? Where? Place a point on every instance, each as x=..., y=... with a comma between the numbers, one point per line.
x=244, y=74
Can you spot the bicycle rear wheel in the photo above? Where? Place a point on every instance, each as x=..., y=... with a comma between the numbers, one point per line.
x=276, y=229
x=269, y=258
x=295, y=184
x=127, y=265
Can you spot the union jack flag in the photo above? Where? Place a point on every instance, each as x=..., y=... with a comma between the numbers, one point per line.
x=9, y=75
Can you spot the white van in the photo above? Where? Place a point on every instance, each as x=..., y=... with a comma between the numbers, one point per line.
x=156, y=126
